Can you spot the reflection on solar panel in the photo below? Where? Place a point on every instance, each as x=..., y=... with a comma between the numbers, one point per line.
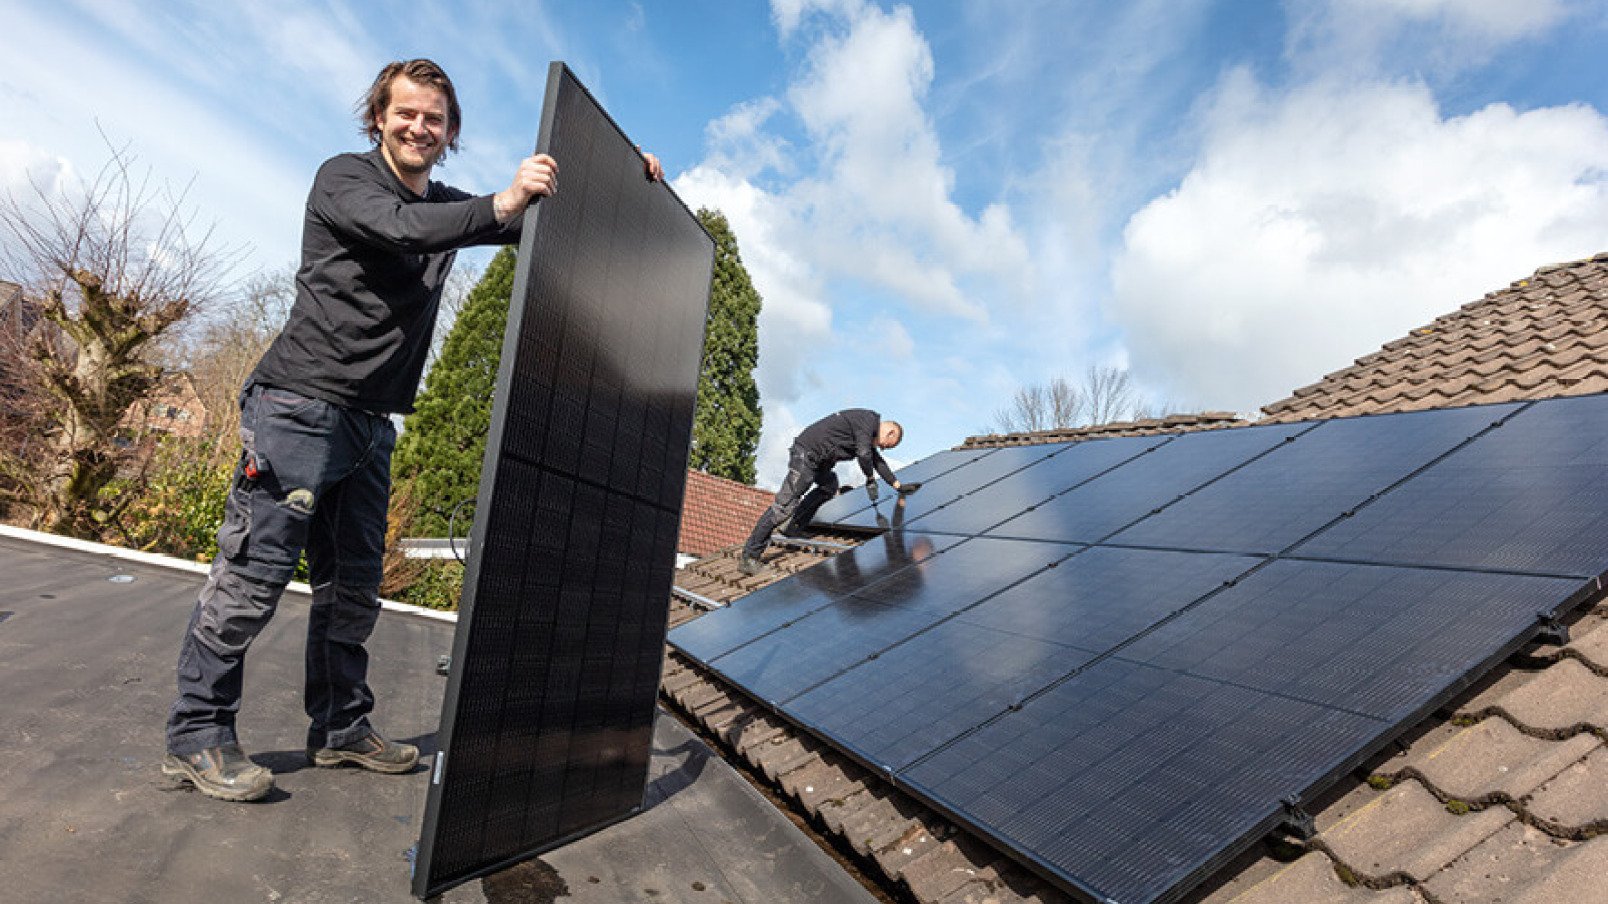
x=547, y=721
x=976, y=512
x=1127, y=716
x=926, y=471
x=945, y=488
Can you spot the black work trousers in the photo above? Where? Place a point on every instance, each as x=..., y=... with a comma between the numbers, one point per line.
x=808, y=485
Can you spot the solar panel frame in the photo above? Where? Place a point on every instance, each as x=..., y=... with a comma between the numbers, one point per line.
x=547, y=718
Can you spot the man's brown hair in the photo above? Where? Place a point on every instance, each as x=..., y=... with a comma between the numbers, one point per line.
x=422, y=71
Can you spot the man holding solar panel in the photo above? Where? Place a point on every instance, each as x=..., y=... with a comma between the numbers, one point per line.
x=854, y=433
x=378, y=241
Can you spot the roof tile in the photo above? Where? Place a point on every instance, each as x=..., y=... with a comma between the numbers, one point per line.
x=1406, y=832
x=1529, y=335
x=1507, y=862
x=1492, y=762
x=1558, y=701
x=1313, y=880
x=1575, y=803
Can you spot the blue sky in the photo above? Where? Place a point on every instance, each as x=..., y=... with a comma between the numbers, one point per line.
x=940, y=202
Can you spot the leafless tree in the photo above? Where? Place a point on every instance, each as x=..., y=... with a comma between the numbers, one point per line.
x=1106, y=394
x=112, y=266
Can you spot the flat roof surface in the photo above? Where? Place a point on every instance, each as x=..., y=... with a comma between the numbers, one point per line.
x=86, y=674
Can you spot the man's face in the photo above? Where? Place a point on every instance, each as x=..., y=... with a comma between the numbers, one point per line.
x=413, y=127
x=888, y=435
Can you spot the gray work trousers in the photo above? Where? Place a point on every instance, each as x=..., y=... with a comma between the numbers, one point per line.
x=313, y=476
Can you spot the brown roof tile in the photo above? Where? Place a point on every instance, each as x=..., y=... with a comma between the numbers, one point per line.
x=717, y=512
x=1575, y=802
x=1530, y=335
x=1172, y=423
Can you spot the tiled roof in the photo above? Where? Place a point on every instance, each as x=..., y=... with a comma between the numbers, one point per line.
x=1172, y=423
x=1502, y=798
x=718, y=512
x=1543, y=336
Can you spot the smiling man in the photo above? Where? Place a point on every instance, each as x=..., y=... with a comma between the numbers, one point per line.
x=378, y=241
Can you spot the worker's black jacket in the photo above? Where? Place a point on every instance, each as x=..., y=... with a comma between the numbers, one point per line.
x=375, y=257
x=851, y=433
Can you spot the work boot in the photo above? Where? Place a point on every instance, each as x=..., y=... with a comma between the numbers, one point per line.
x=750, y=565
x=373, y=752
x=792, y=530
x=222, y=772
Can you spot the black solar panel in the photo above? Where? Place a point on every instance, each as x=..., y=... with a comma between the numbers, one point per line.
x=1280, y=498
x=1369, y=639
x=1100, y=507
x=927, y=471
x=1127, y=781
x=1084, y=461
x=1531, y=496
x=547, y=720
x=763, y=611
x=946, y=488
x=851, y=629
x=969, y=669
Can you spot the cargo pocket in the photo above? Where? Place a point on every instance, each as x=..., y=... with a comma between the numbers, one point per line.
x=236, y=529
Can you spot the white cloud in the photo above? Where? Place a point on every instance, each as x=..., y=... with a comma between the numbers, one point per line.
x=882, y=206
x=25, y=168
x=789, y=13
x=890, y=339
x=1318, y=224
x=1498, y=20
x=864, y=207
x=1438, y=37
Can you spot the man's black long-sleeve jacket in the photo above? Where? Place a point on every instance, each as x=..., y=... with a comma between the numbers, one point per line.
x=851, y=433
x=375, y=257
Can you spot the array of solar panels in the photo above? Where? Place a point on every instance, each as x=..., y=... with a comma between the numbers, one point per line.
x=548, y=719
x=1124, y=660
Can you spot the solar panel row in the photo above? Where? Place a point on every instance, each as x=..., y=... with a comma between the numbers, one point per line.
x=1119, y=659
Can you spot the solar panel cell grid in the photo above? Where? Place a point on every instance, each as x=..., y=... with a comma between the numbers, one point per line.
x=769, y=608
x=1379, y=641
x=1102, y=506
x=952, y=485
x=1280, y=498
x=977, y=512
x=1531, y=496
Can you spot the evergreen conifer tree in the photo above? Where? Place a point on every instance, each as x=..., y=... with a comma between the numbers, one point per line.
x=444, y=439
x=725, y=431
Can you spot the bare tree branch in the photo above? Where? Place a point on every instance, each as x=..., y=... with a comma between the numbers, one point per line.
x=112, y=267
